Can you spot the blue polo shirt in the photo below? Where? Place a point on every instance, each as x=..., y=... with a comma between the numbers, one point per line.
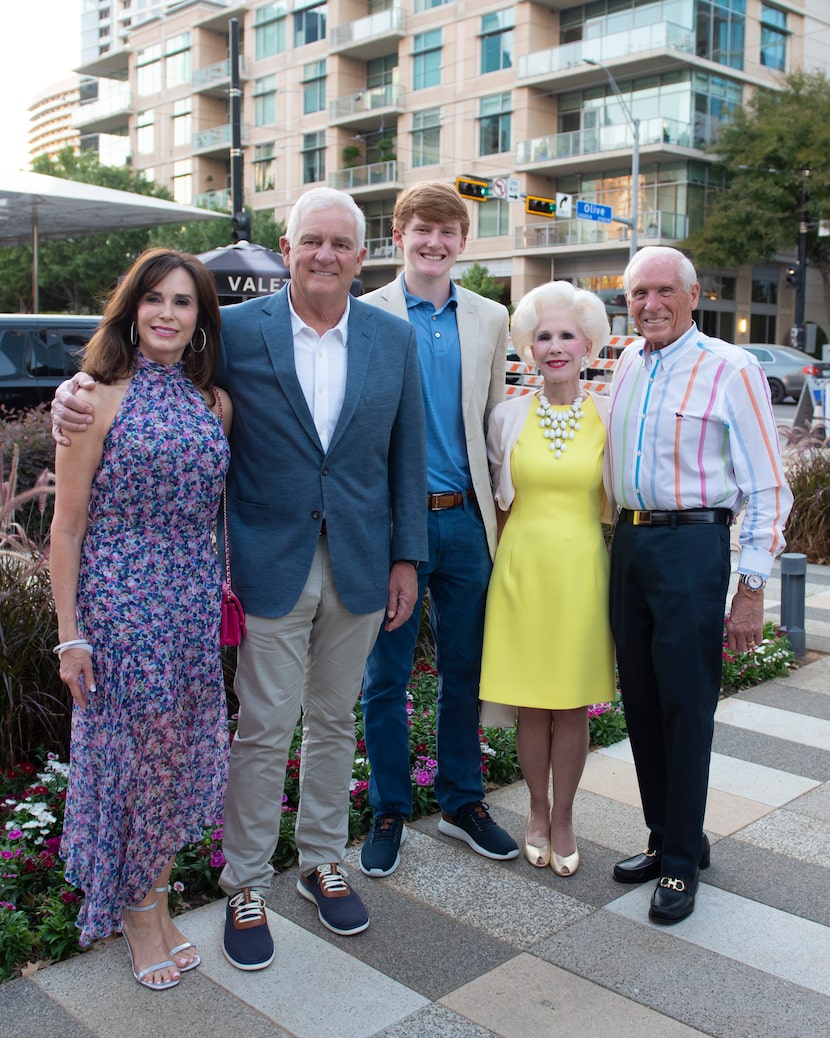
x=439, y=352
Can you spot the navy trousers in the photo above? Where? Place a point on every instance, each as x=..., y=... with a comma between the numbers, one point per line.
x=668, y=596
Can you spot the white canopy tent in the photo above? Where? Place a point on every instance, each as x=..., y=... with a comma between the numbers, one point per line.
x=34, y=207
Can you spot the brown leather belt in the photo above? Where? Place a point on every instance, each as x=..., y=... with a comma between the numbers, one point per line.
x=688, y=517
x=449, y=499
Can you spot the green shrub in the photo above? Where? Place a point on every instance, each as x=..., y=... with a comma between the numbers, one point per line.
x=773, y=658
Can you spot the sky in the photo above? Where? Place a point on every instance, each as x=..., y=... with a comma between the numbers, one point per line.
x=41, y=44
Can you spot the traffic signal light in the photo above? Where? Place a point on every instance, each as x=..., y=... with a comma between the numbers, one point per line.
x=473, y=187
x=241, y=227
x=540, y=206
x=793, y=276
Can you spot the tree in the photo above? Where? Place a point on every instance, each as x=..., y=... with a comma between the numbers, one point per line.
x=764, y=153
x=478, y=279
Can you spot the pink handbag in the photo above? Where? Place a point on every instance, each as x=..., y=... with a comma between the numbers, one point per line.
x=232, y=628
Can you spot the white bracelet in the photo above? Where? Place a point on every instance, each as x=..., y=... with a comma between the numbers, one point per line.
x=75, y=643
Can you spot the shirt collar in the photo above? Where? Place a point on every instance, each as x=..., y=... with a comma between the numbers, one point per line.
x=412, y=300
x=668, y=355
x=298, y=325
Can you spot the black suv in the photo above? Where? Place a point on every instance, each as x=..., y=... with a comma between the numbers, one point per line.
x=37, y=352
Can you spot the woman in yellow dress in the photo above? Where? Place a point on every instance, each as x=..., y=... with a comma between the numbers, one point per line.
x=547, y=640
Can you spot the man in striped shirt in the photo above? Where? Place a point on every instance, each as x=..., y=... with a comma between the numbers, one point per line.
x=692, y=439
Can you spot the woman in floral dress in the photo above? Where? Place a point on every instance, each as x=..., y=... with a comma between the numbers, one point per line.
x=137, y=590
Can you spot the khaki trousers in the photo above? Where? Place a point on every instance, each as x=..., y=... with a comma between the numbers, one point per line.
x=308, y=663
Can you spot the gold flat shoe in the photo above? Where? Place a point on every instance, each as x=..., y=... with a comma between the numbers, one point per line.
x=566, y=866
x=538, y=857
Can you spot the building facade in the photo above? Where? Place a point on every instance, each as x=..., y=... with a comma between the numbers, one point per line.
x=50, y=119
x=538, y=97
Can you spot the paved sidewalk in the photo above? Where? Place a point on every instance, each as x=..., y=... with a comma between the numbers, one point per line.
x=465, y=948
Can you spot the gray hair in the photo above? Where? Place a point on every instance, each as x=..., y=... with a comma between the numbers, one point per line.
x=587, y=309
x=325, y=198
x=683, y=265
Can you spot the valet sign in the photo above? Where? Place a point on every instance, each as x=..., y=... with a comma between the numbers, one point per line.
x=252, y=285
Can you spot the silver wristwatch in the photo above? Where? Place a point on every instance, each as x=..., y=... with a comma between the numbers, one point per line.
x=753, y=581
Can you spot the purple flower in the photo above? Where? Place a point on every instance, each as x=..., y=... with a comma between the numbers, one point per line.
x=178, y=886
x=14, y=834
x=7, y=904
x=422, y=777
x=217, y=860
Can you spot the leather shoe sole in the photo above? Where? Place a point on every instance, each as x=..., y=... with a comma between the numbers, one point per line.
x=642, y=867
x=673, y=900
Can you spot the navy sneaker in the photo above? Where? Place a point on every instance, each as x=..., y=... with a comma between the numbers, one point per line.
x=248, y=944
x=472, y=824
x=381, y=851
x=338, y=906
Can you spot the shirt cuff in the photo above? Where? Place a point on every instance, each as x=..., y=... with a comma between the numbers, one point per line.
x=755, y=560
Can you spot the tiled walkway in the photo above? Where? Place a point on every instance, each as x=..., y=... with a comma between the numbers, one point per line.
x=466, y=948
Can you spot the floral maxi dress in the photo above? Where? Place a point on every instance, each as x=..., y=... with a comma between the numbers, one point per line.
x=149, y=754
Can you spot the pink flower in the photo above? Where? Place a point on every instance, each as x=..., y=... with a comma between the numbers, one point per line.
x=14, y=834
x=217, y=860
x=178, y=886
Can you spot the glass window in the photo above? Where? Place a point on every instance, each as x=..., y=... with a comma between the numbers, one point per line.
x=182, y=122
x=720, y=31
x=314, y=86
x=427, y=5
x=762, y=328
x=426, y=137
x=177, y=60
x=145, y=134
x=493, y=218
x=314, y=157
x=773, y=37
x=381, y=72
x=264, y=167
x=269, y=31
x=183, y=181
x=265, y=101
x=494, y=124
x=427, y=60
x=148, y=72
x=497, y=40
x=765, y=290
x=310, y=24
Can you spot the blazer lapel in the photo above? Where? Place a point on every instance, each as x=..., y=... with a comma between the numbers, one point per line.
x=279, y=341
x=359, y=349
x=468, y=332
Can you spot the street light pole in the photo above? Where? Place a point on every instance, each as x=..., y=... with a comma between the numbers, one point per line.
x=635, y=158
x=801, y=283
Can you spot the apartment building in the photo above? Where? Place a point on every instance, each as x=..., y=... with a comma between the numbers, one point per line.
x=537, y=97
x=50, y=118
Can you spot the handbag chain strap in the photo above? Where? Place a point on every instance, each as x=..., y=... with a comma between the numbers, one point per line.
x=218, y=399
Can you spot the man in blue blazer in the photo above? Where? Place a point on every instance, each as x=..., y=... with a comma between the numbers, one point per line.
x=326, y=525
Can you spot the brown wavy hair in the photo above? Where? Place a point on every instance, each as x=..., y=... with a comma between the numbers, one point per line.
x=430, y=200
x=109, y=355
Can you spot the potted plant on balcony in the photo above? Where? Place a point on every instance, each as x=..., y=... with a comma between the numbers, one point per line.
x=386, y=149
x=352, y=156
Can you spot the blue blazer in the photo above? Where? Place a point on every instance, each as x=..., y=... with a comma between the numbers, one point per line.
x=370, y=485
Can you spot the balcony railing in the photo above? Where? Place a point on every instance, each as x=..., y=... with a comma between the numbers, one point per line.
x=555, y=233
x=364, y=29
x=366, y=101
x=381, y=249
x=107, y=113
x=619, y=137
x=214, y=199
x=217, y=137
x=662, y=36
x=217, y=74
x=366, y=176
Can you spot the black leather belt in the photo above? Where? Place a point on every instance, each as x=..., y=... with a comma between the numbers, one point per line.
x=449, y=499
x=688, y=517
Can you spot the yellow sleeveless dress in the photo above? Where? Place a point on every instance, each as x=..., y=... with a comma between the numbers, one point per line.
x=547, y=638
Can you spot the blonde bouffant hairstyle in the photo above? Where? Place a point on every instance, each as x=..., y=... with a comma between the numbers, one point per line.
x=587, y=309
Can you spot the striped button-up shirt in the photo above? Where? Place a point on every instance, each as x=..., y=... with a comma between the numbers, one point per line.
x=691, y=426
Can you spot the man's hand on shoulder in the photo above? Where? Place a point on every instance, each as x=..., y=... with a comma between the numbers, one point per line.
x=70, y=414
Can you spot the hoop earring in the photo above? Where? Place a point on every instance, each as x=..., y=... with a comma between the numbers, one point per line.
x=133, y=334
x=201, y=348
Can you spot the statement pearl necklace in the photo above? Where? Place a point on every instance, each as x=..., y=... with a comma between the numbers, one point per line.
x=558, y=427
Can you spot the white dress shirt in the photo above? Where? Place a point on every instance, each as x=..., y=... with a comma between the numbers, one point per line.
x=321, y=362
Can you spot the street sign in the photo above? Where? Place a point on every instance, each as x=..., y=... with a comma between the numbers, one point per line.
x=593, y=211
x=514, y=189
x=499, y=187
x=564, y=205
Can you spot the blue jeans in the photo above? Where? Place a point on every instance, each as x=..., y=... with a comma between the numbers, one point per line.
x=457, y=575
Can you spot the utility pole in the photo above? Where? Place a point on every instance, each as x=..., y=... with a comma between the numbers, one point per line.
x=801, y=280
x=241, y=219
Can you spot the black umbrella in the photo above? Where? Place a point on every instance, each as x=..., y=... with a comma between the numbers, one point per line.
x=244, y=271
